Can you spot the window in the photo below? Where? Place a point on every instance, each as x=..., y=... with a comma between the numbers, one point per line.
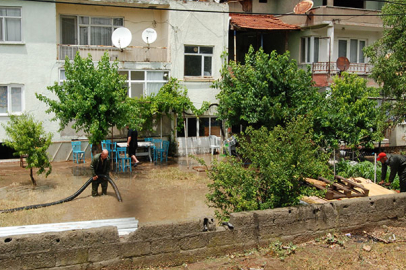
x=143, y=82
x=198, y=61
x=309, y=50
x=10, y=24
x=201, y=127
x=352, y=49
x=11, y=99
x=85, y=30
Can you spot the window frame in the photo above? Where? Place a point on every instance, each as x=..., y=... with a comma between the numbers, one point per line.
x=10, y=100
x=309, y=50
x=196, y=128
x=89, y=25
x=348, y=49
x=3, y=29
x=129, y=81
x=203, y=56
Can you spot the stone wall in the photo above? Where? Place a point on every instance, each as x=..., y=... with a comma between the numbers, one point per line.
x=176, y=243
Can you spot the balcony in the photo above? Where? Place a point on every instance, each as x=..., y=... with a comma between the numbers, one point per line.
x=129, y=54
x=326, y=67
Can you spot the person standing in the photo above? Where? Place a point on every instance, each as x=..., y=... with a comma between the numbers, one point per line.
x=397, y=164
x=100, y=166
x=132, y=144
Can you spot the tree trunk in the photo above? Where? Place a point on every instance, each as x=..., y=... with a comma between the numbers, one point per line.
x=34, y=183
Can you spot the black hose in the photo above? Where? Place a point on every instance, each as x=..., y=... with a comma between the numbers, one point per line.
x=77, y=193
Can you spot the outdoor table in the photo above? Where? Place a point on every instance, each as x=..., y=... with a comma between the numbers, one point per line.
x=147, y=145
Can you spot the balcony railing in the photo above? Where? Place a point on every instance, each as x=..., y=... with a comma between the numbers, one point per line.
x=331, y=67
x=129, y=54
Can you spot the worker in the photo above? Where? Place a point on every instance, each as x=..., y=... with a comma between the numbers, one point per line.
x=100, y=166
x=397, y=164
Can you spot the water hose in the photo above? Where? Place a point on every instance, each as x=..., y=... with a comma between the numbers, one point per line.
x=77, y=193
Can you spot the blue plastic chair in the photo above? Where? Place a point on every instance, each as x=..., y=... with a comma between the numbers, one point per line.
x=163, y=151
x=77, y=152
x=91, y=152
x=112, y=148
x=124, y=162
x=156, y=144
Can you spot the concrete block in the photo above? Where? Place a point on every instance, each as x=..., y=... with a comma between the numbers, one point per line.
x=103, y=252
x=243, y=220
x=67, y=257
x=135, y=249
x=164, y=245
x=70, y=239
x=187, y=228
x=8, y=246
x=100, y=236
x=36, y=242
x=10, y=262
x=221, y=237
x=151, y=231
x=39, y=260
x=193, y=242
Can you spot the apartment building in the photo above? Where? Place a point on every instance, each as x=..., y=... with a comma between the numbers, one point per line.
x=190, y=37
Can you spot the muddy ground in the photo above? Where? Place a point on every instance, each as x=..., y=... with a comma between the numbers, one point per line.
x=175, y=191
x=152, y=192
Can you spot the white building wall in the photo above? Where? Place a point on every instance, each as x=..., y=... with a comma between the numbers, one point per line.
x=198, y=28
x=31, y=63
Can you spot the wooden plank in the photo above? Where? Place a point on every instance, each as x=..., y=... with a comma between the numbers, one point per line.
x=124, y=226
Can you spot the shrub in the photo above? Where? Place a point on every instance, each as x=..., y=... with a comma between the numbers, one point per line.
x=279, y=160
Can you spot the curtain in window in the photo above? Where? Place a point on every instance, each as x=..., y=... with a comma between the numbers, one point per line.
x=1, y=29
x=342, y=48
x=13, y=29
x=353, y=50
x=3, y=99
x=155, y=76
x=16, y=99
x=68, y=30
x=100, y=35
x=153, y=88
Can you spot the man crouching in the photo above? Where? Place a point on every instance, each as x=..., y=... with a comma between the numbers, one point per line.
x=100, y=165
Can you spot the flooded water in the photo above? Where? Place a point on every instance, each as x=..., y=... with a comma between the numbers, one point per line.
x=170, y=191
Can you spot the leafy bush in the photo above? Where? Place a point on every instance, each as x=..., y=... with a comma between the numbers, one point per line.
x=279, y=160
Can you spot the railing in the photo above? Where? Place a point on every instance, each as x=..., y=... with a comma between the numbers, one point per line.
x=326, y=67
x=129, y=54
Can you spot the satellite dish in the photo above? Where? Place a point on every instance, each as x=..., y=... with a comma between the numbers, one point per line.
x=149, y=35
x=343, y=63
x=303, y=7
x=121, y=37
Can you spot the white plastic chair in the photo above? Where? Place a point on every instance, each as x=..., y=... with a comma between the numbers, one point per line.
x=214, y=143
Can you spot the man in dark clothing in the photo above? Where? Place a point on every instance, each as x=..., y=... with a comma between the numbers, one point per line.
x=100, y=165
x=397, y=164
x=132, y=144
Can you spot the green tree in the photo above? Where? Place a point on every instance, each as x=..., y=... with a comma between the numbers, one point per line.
x=92, y=97
x=171, y=100
x=266, y=91
x=348, y=113
x=27, y=137
x=278, y=161
x=388, y=57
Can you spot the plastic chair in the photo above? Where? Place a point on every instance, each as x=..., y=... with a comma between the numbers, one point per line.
x=77, y=152
x=214, y=143
x=91, y=152
x=163, y=151
x=156, y=144
x=148, y=139
x=124, y=162
x=112, y=148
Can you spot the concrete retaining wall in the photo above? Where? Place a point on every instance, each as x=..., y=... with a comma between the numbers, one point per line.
x=176, y=243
